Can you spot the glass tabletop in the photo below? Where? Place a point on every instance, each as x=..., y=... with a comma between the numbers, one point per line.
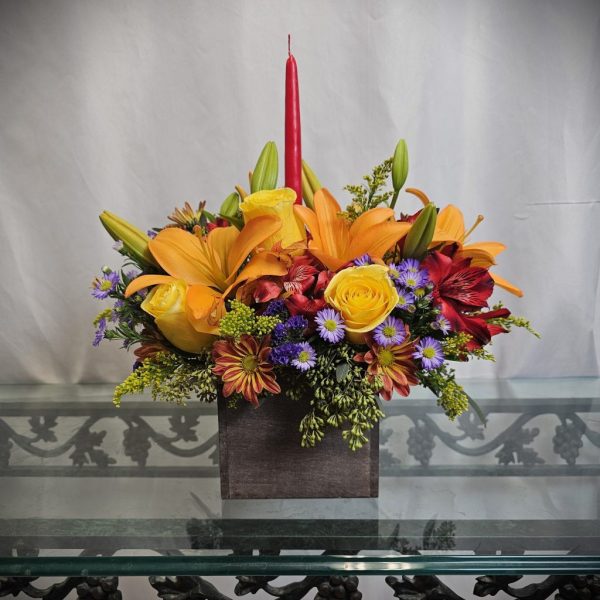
x=89, y=489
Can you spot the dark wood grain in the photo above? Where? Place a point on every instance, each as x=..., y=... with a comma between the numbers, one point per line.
x=261, y=457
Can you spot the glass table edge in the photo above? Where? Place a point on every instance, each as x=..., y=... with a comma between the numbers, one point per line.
x=450, y=564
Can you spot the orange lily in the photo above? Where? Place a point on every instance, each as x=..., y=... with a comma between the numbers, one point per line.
x=209, y=266
x=335, y=242
x=450, y=228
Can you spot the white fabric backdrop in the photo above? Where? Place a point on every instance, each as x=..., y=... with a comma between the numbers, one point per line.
x=137, y=106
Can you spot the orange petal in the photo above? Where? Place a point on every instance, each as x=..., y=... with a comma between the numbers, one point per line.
x=479, y=257
x=493, y=248
x=333, y=263
x=144, y=281
x=450, y=221
x=253, y=233
x=204, y=308
x=309, y=218
x=368, y=219
x=509, y=287
x=220, y=241
x=333, y=228
x=263, y=263
x=180, y=254
x=378, y=240
x=179, y=331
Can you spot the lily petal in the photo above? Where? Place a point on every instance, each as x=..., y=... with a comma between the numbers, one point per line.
x=180, y=254
x=263, y=263
x=370, y=219
x=253, y=233
x=333, y=263
x=204, y=308
x=220, y=242
x=144, y=281
x=333, y=229
x=509, y=287
x=309, y=218
x=376, y=241
x=451, y=222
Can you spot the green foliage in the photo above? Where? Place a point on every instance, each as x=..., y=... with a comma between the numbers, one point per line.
x=341, y=397
x=171, y=378
x=241, y=319
x=451, y=396
x=369, y=195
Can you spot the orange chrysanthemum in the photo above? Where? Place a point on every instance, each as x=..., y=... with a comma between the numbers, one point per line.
x=243, y=367
x=394, y=364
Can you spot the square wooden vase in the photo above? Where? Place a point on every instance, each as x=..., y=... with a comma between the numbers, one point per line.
x=260, y=456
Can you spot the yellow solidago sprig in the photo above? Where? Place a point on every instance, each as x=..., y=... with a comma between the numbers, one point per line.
x=512, y=321
x=369, y=195
x=171, y=378
x=456, y=347
x=242, y=319
x=450, y=395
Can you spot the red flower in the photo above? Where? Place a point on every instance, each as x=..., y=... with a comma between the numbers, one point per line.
x=461, y=290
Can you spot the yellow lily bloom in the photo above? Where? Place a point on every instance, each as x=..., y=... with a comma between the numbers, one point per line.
x=335, y=242
x=450, y=228
x=209, y=267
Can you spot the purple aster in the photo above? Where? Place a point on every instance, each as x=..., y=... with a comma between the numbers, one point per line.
x=363, y=260
x=390, y=333
x=275, y=308
x=441, y=324
x=330, y=325
x=118, y=246
x=103, y=286
x=99, y=334
x=394, y=271
x=306, y=357
x=284, y=354
x=413, y=279
x=430, y=352
x=151, y=233
x=406, y=299
x=410, y=264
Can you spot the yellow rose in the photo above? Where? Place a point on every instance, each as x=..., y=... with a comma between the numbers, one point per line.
x=279, y=203
x=166, y=303
x=364, y=296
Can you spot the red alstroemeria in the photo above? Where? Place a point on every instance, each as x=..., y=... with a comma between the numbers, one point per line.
x=460, y=291
x=299, y=304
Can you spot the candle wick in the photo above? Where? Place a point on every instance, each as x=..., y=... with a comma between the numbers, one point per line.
x=289, y=44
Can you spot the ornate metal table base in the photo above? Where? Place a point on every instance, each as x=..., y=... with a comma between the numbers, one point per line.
x=420, y=587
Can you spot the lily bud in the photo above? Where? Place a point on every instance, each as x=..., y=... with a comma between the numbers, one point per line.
x=230, y=210
x=400, y=165
x=310, y=184
x=421, y=233
x=135, y=241
x=264, y=176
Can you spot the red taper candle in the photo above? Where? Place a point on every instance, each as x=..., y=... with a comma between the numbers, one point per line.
x=293, y=146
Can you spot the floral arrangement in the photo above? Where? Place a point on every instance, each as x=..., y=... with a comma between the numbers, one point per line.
x=274, y=301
